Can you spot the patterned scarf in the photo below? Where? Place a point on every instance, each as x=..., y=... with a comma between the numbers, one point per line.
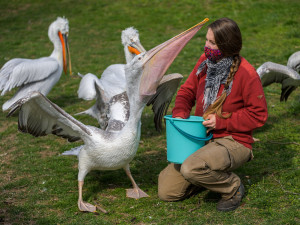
x=217, y=74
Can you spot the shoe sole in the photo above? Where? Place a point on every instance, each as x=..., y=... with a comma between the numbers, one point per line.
x=228, y=209
x=233, y=207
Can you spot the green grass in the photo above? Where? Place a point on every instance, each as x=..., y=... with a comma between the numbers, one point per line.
x=37, y=186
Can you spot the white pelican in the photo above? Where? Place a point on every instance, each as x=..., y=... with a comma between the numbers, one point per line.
x=37, y=74
x=112, y=80
x=270, y=72
x=105, y=150
x=112, y=83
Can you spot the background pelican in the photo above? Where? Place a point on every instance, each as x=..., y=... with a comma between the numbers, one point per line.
x=287, y=76
x=37, y=74
x=105, y=150
x=112, y=81
x=110, y=103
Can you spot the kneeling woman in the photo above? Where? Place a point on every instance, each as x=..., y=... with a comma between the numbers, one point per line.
x=229, y=95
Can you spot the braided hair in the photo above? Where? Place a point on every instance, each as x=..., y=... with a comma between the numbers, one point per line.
x=228, y=38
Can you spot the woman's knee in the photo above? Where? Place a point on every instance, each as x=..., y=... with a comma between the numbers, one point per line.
x=189, y=170
x=172, y=186
x=166, y=191
x=186, y=171
x=167, y=196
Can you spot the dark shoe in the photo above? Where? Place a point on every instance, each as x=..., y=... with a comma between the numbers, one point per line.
x=232, y=203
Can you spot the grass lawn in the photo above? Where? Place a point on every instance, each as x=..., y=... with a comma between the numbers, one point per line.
x=38, y=186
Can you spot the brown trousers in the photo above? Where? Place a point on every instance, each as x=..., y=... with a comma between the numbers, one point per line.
x=209, y=167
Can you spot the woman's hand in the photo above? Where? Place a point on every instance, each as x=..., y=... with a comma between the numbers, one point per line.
x=210, y=122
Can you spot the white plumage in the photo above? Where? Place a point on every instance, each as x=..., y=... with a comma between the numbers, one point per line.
x=112, y=80
x=112, y=83
x=105, y=150
x=287, y=76
x=37, y=74
x=294, y=61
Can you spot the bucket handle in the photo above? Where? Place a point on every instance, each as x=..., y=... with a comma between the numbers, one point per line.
x=191, y=136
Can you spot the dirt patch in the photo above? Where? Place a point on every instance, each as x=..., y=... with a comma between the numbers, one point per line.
x=7, y=124
x=12, y=193
x=152, y=152
x=9, y=139
x=112, y=198
x=47, y=154
x=75, y=166
x=7, y=218
x=7, y=156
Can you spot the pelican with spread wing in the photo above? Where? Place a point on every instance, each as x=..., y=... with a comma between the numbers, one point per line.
x=106, y=149
x=37, y=74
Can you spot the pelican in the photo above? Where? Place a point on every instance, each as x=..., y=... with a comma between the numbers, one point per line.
x=112, y=84
x=37, y=74
x=102, y=149
x=112, y=81
x=270, y=72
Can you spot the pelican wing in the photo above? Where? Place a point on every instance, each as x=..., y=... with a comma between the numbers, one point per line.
x=161, y=100
x=99, y=110
x=270, y=72
x=113, y=80
x=38, y=116
x=86, y=88
x=18, y=72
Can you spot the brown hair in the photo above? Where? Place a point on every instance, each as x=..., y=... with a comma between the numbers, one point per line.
x=228, y=38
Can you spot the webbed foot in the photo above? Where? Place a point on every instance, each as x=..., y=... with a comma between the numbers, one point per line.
x=86, y=207
x=135, y=193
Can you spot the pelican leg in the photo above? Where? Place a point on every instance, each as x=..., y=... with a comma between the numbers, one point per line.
x=135, y=192
x=84, y=206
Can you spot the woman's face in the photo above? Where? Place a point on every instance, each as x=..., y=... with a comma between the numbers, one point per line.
x=210, y=40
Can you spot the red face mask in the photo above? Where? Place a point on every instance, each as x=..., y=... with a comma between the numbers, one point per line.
x=213, y=54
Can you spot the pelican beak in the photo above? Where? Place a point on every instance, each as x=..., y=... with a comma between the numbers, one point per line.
x=133, y=50
x=136, y=48
x=157, y=60
x=68, y=52
x=64, y=43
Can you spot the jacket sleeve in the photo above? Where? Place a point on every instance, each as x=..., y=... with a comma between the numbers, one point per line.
x=254, y=113
x=186, y=95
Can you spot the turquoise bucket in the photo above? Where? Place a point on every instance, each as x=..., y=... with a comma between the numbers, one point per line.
x=184, y=137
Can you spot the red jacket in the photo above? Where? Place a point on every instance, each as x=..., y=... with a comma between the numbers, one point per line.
x=246, y=102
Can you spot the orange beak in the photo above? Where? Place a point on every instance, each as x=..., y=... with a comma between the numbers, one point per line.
x=64, y=51
x=133, y=50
